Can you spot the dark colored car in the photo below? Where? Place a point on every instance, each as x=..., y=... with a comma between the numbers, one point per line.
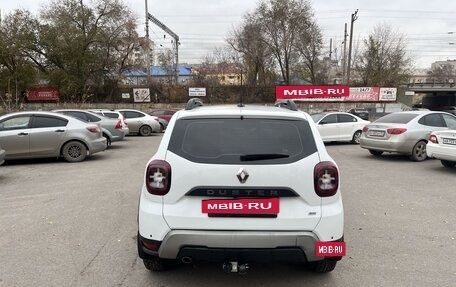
x=362, y=113
x=164, y=116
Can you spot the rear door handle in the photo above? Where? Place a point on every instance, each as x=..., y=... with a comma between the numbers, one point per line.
x=22, y=134
x=59, y=131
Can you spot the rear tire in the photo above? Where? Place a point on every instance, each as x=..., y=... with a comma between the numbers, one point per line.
x=356, y=137
x=447, y=163
x=74, y=151
x=324, y=266
x=145, y=131
x=158, y=264
x=375, y=152
x=419, y=151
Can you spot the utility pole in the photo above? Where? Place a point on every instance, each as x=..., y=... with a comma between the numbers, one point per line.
x=176, y=42
x=329, y=63
x=148, y=61
x=344, y=60
x=354, y=17
x=330, y=49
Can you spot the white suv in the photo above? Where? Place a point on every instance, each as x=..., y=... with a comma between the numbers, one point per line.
x=240, y=184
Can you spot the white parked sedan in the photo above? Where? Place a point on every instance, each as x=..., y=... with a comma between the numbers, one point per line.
x=442, y=145
x=339, y=126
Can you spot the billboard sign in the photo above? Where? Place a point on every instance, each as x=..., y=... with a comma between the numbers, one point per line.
x=363, y=94
x=196, y=92
x=335, y=93
x=42, y=94
x=141, y=95
x=302, y=93
x=387, y=94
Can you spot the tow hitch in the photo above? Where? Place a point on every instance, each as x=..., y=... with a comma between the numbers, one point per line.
x=235, y=267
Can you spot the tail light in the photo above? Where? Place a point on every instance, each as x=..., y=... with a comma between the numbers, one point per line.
x=124, y=120
x=119, y=124
x=433, y=139
x=152, y=245
x=157, y=119
x=326, y=179
x=93, y=129
x=365, y=129
x=396, y=131
x=158, y=177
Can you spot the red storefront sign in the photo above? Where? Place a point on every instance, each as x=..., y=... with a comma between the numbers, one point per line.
x=313, y=92
x=335, y=93
x=42, y=94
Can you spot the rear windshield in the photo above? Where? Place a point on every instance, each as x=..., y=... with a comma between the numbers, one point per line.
x=242, y=141
x=397, y=118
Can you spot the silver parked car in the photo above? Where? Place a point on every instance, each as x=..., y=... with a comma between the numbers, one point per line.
x=47, y=134
x=114, y=115
x=111, y=128
x=405, y=132
x=140, y=122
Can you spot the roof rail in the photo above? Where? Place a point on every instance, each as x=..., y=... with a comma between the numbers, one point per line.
x=193, y=103
x=288, y=104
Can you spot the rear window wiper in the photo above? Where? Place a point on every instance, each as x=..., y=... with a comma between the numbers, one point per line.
x=262, y=156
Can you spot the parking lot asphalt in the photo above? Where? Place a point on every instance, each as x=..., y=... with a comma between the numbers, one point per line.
x=74, y=224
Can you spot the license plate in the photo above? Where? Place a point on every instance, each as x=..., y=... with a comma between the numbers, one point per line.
x=377, y=133
x=449, y=141
x=330, y=249
x=244, y=206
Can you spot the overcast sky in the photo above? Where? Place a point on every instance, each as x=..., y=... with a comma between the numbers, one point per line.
x=204, y=24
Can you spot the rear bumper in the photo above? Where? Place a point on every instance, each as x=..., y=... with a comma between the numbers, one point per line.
x=252, y=246
x=97, y=145
x=387, y=145
x=441, y=152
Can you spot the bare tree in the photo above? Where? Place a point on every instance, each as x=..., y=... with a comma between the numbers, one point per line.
x=384, y=60
x=254, y=55
x=443, y=74
x=281, y=22
x=309, y=48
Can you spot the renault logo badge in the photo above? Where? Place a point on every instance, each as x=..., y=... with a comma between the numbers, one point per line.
x=242, y=175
